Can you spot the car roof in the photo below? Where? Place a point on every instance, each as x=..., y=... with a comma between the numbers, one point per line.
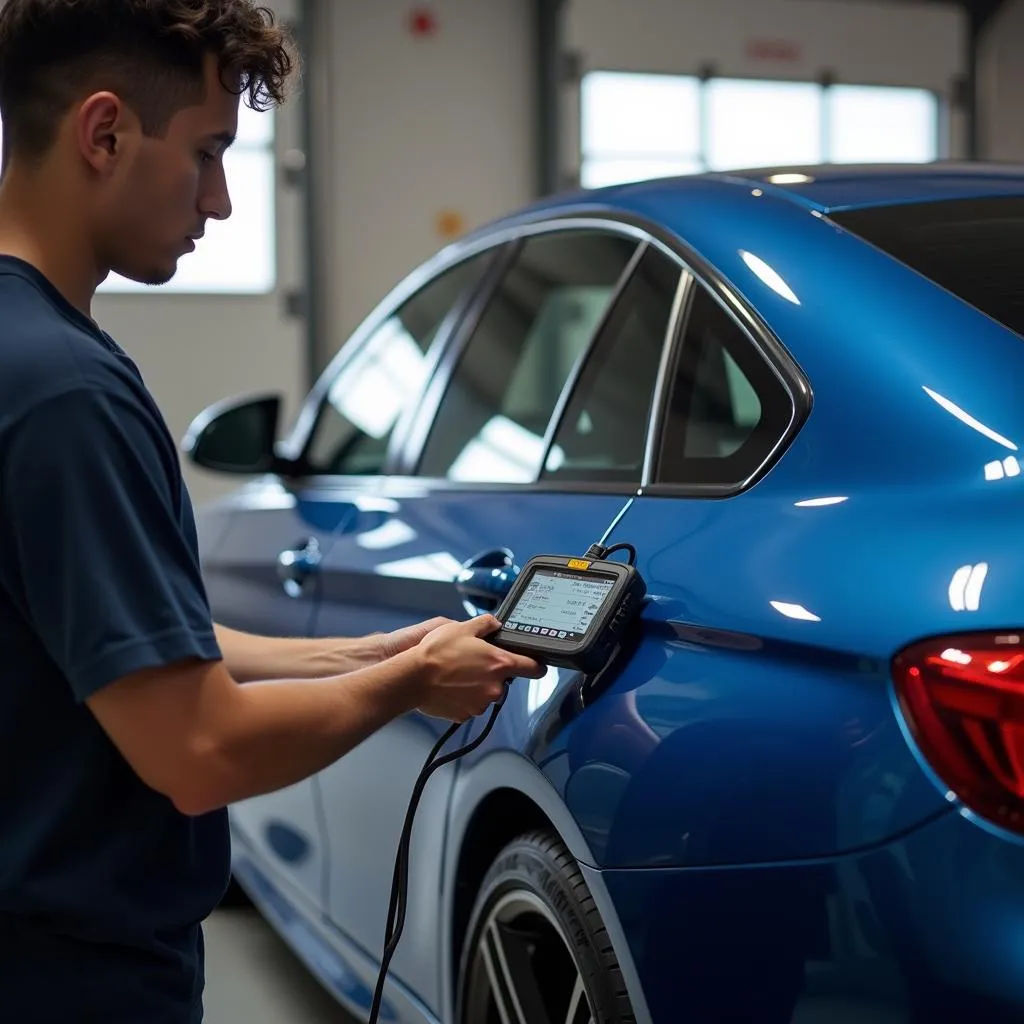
x=827, y=189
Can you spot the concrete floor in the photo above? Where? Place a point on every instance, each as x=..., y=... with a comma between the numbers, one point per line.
x=253, y=978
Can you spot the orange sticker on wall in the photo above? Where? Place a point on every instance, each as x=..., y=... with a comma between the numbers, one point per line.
x=450, y=224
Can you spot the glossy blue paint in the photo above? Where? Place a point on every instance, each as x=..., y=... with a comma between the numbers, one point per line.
x=762, y=838
x=927, y=928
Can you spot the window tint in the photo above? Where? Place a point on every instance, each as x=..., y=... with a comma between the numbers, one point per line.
x=494, y=416
x=971, y=247
x=727, y=409
x=603, y=432
x=372, y=389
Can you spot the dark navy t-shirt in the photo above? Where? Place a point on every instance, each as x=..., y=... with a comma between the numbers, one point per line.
x=103, y=883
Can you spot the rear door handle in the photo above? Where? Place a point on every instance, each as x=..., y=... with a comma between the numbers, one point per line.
x=296, y=565
x=483, y=581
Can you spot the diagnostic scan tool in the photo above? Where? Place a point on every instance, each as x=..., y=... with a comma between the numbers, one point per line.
x=570, y=612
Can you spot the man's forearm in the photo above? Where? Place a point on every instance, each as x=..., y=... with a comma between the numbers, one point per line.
x=273, y=734
x=250, y=657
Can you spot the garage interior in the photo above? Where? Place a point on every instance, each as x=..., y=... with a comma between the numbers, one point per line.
x=417, y=122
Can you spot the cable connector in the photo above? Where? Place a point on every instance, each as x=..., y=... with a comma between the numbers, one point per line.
x=598, y=552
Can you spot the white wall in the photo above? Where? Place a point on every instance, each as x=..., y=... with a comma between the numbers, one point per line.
x=419, y=126
x=1001, y=84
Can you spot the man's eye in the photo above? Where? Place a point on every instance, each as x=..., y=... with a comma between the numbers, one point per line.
x=206, y=157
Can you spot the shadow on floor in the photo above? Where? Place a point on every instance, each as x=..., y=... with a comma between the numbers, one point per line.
x=252, y=977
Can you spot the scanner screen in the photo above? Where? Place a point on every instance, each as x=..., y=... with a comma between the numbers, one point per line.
x=559, y=604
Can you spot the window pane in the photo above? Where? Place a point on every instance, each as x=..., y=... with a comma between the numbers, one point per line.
x=237, y=255
x=603, y=432
x=886, y=125
x=762, y=124
x=255, y=127
x=597, y=171
x=727, y=409
x=371, y=391
x=631, y=115
x=493, y=419
x=973, y=248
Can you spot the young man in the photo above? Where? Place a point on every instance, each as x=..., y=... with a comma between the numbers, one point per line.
x=124, y=730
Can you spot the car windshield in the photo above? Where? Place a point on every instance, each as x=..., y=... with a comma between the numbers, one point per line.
x=972, y=247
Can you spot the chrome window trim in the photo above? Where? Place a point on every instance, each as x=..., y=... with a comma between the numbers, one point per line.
x=694, y=271
x=669, y=354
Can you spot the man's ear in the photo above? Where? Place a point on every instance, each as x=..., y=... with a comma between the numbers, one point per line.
x=101, y=124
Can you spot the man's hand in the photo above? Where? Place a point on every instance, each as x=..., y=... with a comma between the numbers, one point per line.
x=406, y=638
x=462, y=673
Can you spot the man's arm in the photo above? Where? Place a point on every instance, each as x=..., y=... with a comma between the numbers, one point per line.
x=249, y=657
x=192, y=733
x=111, y=585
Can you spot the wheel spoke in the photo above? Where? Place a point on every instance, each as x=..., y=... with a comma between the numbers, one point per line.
x=576, y=1003
x=514, y=986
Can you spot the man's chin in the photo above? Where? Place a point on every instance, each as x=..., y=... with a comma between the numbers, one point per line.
x=152, y=276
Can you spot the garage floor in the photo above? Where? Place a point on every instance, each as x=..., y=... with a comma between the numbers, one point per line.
x=253, y=978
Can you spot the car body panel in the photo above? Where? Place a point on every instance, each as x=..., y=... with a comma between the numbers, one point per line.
x=894, y=935
x=745, y=799
x=246, y=592
x=396, y=566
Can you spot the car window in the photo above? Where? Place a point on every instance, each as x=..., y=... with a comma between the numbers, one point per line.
x=971, y=247
x=603, y=432
x=363, y=404
x=494, y=415
x=727, y=409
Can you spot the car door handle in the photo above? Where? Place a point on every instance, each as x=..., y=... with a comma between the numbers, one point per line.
x=296, y=565
x=484, y=581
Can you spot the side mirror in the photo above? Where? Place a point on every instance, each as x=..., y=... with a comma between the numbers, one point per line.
x=237, y=435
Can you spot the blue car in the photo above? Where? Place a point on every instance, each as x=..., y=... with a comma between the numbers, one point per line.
x=798, y=395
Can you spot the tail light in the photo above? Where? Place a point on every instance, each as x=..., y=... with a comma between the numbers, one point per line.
x=963, y=699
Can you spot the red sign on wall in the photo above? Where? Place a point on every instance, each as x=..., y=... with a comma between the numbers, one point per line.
x=774, y=49
x=422, y=22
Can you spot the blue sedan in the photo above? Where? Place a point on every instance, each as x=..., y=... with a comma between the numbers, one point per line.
x=796, y=394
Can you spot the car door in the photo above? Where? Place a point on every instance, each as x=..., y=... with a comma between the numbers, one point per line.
x=531, y=443
x=261, y=578
x=266, y=576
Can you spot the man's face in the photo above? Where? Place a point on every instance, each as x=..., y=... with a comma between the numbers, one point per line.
x=155, y=206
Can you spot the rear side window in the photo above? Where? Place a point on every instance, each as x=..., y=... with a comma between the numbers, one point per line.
x=603, y=432
x=727, y=408
x=493, y=419
x=973, y=248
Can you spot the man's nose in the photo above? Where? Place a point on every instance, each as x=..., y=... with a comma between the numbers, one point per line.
x=215, y=202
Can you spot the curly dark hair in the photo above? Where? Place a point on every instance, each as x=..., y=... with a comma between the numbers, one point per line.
x=150, y=52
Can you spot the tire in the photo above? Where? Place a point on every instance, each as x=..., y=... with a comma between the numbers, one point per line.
x=535, y=923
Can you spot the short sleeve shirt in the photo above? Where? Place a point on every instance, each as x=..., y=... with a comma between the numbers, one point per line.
x=103, y=882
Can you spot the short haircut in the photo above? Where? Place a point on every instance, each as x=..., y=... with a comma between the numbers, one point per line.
x=151, y=53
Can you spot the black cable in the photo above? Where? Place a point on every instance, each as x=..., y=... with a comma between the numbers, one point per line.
x=400, y=879
x=624, y=546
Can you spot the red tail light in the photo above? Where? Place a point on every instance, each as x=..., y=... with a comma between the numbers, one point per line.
x=963, y=698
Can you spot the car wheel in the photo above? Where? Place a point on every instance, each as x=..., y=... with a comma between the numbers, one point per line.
x=537, y=949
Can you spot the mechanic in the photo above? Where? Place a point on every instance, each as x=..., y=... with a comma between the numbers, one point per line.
x=124, y=730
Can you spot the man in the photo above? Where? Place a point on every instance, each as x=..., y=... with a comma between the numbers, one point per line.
x=124, y=727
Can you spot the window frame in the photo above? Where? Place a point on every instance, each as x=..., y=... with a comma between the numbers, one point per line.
x=583, y=157
x=411, y=430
